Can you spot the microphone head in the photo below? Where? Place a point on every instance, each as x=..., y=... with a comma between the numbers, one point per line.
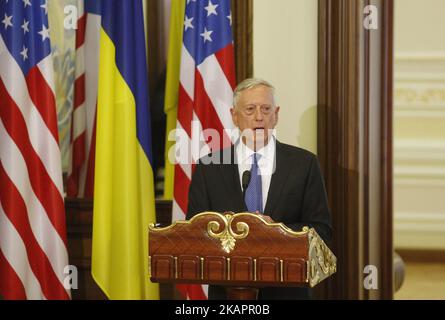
x=246, y=179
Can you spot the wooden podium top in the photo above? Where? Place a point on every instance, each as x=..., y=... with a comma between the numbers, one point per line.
x=241, y=249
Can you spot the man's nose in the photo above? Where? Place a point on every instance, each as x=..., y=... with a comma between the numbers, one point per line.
x=258, y=114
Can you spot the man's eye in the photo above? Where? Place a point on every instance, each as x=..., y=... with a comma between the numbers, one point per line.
x=266, y=109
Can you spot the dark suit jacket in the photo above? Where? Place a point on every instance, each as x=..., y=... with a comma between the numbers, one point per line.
x=297, y=197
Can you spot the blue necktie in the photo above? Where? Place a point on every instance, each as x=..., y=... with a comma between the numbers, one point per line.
x=254, y=195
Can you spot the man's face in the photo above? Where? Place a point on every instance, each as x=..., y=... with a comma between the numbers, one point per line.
x=255, y=116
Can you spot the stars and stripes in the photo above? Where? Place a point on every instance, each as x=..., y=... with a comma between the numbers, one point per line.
x=80, y=181
x=207, y=80
x=33, y=252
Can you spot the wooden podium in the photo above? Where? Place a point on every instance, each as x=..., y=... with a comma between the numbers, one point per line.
x=242, y=252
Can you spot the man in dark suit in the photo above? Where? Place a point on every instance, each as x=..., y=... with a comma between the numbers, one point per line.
x=285, y=181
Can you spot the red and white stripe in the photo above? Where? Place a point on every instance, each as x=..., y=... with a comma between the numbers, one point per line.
x=205, y=96
x=33, y=251
x=81, y=170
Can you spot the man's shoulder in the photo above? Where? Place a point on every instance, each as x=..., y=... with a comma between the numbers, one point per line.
x=222, y=156
x=227, y=155
x=295, y=152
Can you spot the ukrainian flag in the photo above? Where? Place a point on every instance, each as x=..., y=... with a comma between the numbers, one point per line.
x=124, y=188
x=177, y=13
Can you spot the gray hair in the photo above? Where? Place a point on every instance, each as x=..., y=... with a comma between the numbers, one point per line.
x=250, y=83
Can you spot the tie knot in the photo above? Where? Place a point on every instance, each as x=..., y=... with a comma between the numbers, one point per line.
x=256, y=157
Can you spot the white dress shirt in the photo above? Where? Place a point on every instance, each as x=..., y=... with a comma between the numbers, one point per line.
x=266, y=164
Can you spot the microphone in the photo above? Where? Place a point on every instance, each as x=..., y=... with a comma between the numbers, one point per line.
x=245, y=181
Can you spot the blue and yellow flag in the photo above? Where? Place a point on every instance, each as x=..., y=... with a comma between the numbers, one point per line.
x=124, y=188
x=177, y=13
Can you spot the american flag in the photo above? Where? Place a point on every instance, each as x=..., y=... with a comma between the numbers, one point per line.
x=33, y=251
x=80, y=181
x=207, y=80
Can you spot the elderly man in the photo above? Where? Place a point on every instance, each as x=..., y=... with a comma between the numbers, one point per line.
x=285, y=181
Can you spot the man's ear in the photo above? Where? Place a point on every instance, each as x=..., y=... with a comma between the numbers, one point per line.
x=277, y=110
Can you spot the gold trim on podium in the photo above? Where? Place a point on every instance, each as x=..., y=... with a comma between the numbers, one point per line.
x=321, y=263
x=228, y=236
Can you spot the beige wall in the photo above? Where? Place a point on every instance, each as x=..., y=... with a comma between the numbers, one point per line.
x=419, y=125
x=285, y=53
x=419, y=26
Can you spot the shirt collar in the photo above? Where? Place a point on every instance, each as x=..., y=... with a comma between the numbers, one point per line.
x=244, y=153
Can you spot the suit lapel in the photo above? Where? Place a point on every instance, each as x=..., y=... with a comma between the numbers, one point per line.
x=278, y=178
x=230, y=175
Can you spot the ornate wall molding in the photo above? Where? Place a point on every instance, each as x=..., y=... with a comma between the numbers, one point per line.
x=420, y=151
x=420, y=230
x=419, y=157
